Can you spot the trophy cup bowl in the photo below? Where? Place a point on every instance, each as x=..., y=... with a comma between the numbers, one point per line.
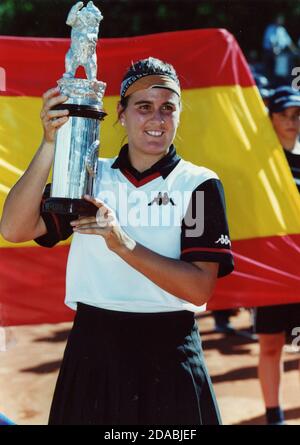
x=77, y=141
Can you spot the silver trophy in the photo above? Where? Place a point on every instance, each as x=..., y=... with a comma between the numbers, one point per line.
x=77, y=141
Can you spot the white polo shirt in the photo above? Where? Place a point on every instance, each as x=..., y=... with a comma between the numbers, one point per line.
x=162, y=210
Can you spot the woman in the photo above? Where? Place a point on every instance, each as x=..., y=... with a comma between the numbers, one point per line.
x=137, y=271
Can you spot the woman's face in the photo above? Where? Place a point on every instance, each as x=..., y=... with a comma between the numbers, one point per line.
x=151, y=119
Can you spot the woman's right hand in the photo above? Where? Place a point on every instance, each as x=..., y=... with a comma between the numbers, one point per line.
x=52, y=120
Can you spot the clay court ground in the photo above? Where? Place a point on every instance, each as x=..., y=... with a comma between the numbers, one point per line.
x=28, y=371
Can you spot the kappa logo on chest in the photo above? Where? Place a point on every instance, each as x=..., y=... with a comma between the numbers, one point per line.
x=162, y=199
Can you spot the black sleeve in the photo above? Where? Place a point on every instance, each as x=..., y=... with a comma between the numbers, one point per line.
x=58, y=226
x=204, y=230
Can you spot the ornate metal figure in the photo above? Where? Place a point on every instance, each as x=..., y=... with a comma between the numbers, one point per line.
x=85, y=28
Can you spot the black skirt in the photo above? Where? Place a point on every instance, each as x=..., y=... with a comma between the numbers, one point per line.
x=124, y=368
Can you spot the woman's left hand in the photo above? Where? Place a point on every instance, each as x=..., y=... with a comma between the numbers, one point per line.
x=105, y=224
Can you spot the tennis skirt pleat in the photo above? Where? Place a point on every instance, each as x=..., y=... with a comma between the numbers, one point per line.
x=123, y=368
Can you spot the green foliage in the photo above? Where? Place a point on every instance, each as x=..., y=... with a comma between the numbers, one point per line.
x=246, y=19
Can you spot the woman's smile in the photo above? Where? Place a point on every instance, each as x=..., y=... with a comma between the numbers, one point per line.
x=155, y=134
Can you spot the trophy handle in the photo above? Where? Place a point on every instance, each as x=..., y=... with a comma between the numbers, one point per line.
x=91, y=158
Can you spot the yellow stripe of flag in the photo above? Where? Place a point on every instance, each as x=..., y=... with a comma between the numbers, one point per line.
x=223, y=128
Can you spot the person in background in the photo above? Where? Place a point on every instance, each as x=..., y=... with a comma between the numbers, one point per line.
x=284, y=111
x=274, y=324
x=278, y=49
x=222, y=321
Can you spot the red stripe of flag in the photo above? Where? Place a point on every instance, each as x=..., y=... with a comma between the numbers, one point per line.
x=26, y=61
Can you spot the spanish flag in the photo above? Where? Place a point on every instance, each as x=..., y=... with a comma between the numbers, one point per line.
x=224, y=126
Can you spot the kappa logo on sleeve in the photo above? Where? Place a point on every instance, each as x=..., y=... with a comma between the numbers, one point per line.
x=162, y=199
x=224, y=239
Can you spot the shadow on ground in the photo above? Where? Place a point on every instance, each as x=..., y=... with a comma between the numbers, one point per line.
x=290, y=414
x=226, y=344
x=57, y=337
x=237, y=345
x=44, y=368
x=249, y=372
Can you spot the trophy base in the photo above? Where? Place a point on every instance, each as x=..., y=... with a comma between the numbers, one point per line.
x=68, y=206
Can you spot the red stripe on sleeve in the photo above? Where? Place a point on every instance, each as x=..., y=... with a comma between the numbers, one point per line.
x=206, y=249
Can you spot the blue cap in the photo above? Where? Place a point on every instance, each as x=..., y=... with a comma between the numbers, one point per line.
x=282, y=98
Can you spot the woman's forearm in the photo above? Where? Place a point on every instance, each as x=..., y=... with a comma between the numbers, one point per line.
x=21, y=211
x=21, y=219
x=194, y=283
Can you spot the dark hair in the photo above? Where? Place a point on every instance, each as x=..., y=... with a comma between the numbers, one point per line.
x=146, y=67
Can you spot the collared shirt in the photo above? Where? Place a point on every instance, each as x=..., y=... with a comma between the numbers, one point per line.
x=174, y=208
x=161, y=168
